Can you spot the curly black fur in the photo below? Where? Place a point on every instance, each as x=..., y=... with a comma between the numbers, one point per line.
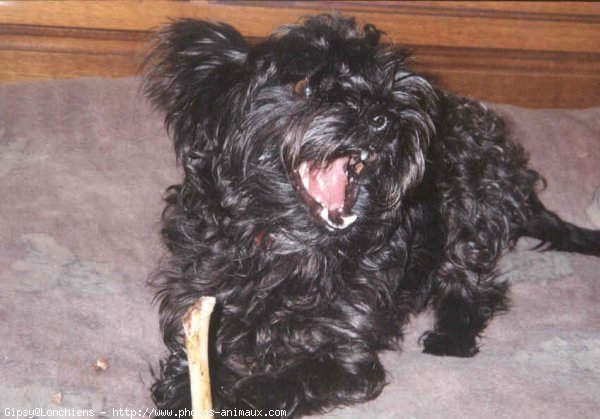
x=304, y=307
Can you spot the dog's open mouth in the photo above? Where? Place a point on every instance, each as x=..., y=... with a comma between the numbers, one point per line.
x=330, y=190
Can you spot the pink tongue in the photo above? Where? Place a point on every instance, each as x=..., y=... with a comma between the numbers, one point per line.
x=328, y=185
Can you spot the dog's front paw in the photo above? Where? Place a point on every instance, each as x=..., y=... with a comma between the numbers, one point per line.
x=441, y=344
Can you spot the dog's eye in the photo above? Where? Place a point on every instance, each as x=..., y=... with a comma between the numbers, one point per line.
x=302, y=88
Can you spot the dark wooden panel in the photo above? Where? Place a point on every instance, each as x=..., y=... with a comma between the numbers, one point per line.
x=525, y=53
x=38, y=53
x=534, y=79
x=27, y=65
x=455, y=24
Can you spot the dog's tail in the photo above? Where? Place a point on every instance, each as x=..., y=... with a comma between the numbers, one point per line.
x=557, y=234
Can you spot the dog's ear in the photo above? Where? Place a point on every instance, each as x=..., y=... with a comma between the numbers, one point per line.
x=193, y=65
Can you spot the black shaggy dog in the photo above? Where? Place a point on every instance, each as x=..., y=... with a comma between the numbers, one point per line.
x=328, y=194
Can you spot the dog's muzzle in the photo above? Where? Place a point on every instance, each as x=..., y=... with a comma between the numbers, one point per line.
x=330, y=190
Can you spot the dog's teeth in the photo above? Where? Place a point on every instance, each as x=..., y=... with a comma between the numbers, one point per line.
x=358, y=168
x=364, y=155
x=324, y=214
x=348, y=220
x=305, y=182
x=303, y=171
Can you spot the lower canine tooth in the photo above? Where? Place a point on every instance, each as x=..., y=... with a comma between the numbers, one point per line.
x=349, y=219
x=324, y=214
x=364, y=155
x=346, y=220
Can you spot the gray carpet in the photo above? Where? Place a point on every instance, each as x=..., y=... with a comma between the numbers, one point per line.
x=83, y=164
